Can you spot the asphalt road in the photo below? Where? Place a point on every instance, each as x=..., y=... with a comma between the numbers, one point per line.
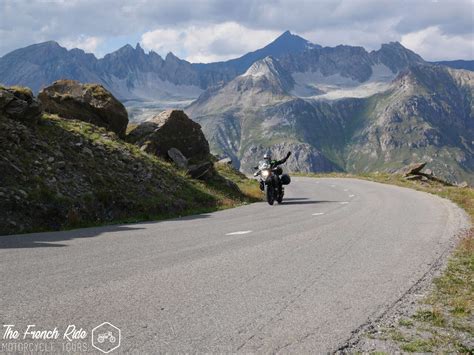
x=299, y=277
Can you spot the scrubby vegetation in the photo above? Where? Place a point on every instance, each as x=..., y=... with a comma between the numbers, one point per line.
x=68, y=174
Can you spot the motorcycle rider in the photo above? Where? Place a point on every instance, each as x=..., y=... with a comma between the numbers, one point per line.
x=274, y=163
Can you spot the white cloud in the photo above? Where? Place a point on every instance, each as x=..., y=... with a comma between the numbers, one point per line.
x=247, y=24
x=207, y=43
x=87, y=43
x=432, y=43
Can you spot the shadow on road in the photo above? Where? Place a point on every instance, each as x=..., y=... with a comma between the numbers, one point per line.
x=38, y=240
x=303, y=202
x=50, y=239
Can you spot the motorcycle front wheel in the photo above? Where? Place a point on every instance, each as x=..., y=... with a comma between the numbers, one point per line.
x=269, y=193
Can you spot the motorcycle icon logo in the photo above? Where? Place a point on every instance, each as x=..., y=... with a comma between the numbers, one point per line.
x=106, y=337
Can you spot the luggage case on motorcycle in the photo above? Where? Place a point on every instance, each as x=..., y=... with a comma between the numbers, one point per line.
x=285, y=179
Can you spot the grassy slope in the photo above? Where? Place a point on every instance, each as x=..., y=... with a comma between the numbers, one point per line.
x=67, y=174
x=444, y=319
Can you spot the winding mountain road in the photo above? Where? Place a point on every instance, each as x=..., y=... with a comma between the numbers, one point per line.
x=297, y=277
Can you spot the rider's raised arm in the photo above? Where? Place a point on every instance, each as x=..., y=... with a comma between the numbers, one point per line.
x=279, y=162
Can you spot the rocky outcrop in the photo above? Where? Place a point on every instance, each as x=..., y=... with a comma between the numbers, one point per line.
x=224, y=161
x=415, y=172
x=413, y=169
x=171, y=129
x=18, y=103
x=67, y=173
x=85, y=102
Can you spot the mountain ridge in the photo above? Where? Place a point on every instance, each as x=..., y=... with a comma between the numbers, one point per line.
x=128, y=68
x=337, y=108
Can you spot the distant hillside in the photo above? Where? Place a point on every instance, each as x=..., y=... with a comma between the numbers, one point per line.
x=458, y=64
x=425, y=113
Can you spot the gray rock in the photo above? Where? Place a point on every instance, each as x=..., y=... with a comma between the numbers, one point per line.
x=232, y=185
x=178, y=158
x=224, y=161
x=171, y=129
x=87, y=151
x=19, y=104
x=85, y=102
x=199, y=171
x=413, y=169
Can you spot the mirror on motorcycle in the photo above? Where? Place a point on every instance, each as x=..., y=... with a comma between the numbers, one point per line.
x=255, y=168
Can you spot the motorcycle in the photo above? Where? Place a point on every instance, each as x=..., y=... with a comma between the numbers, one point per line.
x=270, y=181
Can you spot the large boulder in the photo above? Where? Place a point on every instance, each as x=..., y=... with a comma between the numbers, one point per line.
x=18, y=103
x=171, y=129
x=86, y=102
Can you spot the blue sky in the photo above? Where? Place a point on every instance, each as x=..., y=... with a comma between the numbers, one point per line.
x=210, y=30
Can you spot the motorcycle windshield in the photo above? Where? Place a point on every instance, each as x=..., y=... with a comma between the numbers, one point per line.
x=263, y=165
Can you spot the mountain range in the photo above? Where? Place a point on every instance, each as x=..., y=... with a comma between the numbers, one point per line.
x=337, y=108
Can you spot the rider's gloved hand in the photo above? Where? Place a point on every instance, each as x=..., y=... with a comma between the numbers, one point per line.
x=289, y=153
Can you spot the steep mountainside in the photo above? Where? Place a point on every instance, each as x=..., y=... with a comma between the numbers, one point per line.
x=426, y=113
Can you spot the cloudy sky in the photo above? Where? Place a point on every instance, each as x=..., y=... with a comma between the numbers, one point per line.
x=211, y=30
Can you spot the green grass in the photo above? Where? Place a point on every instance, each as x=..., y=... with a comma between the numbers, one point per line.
x=418, y=346
x=118, y=183
x=434, y=316
x=405, y=322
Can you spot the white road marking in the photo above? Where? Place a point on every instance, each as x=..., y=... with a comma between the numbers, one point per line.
x=344, y=203
x=333, y=185
x=351, y=195
x=346, y=190
x=318, y=213
x=239, y=232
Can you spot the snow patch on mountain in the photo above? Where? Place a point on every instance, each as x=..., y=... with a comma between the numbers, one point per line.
x=315, y=85
x=150, y=87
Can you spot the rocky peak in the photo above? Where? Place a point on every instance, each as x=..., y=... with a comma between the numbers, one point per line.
x=289, y=42
x=396, y=56
x=271, y=71
x=139, y=49
x=265, y=67
x=170, y=57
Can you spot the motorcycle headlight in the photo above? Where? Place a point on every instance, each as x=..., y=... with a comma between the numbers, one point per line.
x=265, y=173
